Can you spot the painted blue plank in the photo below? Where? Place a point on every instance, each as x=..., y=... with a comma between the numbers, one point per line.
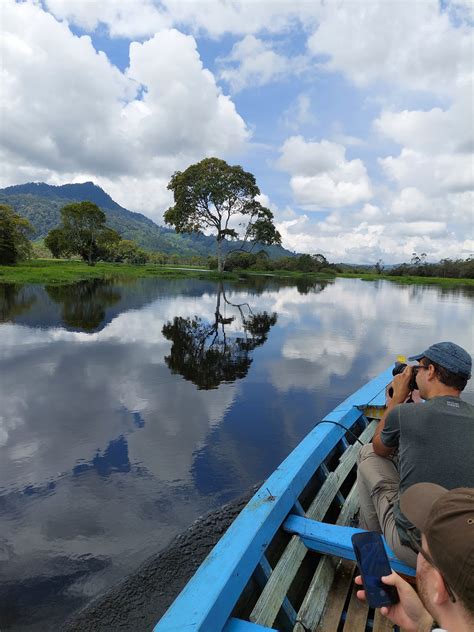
x=208, y=599
x=379, y=400
x=238, y=625
x=335, y=540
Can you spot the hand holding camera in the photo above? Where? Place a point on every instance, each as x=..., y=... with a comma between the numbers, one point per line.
x=404, y=381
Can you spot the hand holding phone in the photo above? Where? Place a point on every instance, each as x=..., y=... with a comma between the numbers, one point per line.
x=373, y=564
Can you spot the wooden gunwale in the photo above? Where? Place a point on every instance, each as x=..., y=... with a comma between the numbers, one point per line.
x=207, y=601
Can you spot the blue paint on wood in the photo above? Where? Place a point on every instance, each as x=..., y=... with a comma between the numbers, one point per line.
x=335, y=540
x=238, y=625
x=208, y=599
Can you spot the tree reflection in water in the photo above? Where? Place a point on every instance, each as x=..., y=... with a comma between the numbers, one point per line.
x=14, y=301
x=84, y=303
x=205, y=354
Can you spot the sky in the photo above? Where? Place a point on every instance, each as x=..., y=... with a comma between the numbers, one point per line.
x=355, y=116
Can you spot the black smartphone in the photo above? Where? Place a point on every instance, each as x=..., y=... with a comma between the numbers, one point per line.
x=373, y=564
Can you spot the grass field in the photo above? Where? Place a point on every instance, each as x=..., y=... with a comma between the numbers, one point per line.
x=49, y=271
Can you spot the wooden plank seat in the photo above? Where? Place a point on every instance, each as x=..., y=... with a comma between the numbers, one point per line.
x=334, y=539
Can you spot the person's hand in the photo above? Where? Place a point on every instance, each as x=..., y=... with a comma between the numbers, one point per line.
x=409, y=613
x=401, y=385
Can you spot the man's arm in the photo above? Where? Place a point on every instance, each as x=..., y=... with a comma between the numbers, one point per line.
x=401, y=390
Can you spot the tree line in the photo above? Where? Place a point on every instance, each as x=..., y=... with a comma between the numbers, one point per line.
x=418, y=266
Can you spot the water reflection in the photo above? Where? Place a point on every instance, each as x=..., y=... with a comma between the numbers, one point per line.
x=13, y=301
x=204, y=353
x=84, y=303
x=106, y=452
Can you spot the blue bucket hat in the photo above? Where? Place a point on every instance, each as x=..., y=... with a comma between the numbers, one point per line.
x=450, y=356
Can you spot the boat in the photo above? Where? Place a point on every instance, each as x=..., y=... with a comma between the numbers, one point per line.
x=287, y=562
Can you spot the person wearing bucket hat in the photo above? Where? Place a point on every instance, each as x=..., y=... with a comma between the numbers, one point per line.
x=445, y=563
x=426, y=442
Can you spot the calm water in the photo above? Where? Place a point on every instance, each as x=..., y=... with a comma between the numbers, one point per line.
x=128, y=410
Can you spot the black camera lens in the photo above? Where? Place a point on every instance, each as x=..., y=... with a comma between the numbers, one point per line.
x=399, y=368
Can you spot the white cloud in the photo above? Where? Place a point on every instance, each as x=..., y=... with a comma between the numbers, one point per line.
x=437, y=145
x=321, y=176
x=75, y=113
x=138, y=18
x=124, y=18
x=253, y=62
x=411, y=45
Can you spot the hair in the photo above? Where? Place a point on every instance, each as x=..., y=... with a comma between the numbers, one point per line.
x=447, y=377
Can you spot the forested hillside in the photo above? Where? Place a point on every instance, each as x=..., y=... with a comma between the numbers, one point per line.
x=40, y=203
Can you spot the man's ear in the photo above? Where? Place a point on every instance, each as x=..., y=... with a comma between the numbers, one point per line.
x=438, y=588
x=431, y=373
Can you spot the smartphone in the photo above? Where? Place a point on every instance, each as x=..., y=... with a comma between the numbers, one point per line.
x=373, y=564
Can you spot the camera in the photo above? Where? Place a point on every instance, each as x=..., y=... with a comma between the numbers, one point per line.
x=398, y=368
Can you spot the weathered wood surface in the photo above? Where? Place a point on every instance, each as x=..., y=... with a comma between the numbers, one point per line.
x=262, y=574
x=381, y=623
x=269, y=602
x=341, y=586
x=357, y=612
x=319, y=589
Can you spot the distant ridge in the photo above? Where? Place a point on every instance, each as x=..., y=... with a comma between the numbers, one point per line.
x=40, y=203
x=81, y=192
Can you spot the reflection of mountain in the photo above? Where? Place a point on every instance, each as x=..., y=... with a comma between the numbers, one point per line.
x=205, y=354
x=13, y=301
x=84, y=303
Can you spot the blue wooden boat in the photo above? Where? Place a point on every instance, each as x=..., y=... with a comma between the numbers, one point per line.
x=286, y=562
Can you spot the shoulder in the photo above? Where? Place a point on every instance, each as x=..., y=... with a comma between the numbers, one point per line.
x=402, y=411
x=450, y=403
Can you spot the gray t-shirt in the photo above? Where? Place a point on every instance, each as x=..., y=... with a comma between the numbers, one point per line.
x=436, y=445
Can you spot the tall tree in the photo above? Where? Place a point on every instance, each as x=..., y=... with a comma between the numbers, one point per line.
x=214, y=196
x=82, y=232
x=14, y=232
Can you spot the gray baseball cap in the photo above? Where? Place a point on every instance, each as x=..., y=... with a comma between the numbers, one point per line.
x=450, y=356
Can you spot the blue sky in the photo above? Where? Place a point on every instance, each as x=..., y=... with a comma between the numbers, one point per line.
x=355, y=116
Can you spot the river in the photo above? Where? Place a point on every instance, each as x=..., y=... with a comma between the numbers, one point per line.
x=129, y=409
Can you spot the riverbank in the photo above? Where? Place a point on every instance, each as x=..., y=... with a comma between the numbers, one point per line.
x=408, y=280
x=52, y=271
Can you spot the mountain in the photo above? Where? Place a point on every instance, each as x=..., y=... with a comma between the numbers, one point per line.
x=41, y=203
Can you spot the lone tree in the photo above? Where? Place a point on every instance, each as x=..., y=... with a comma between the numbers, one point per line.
x=212, y=195
x=82, y=232
x=14, y=231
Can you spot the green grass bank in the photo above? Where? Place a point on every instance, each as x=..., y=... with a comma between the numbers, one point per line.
x=48, y=271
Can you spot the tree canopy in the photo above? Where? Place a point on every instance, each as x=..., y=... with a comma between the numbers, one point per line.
x=14, y=231
x=82, y=232
x=214, y=196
